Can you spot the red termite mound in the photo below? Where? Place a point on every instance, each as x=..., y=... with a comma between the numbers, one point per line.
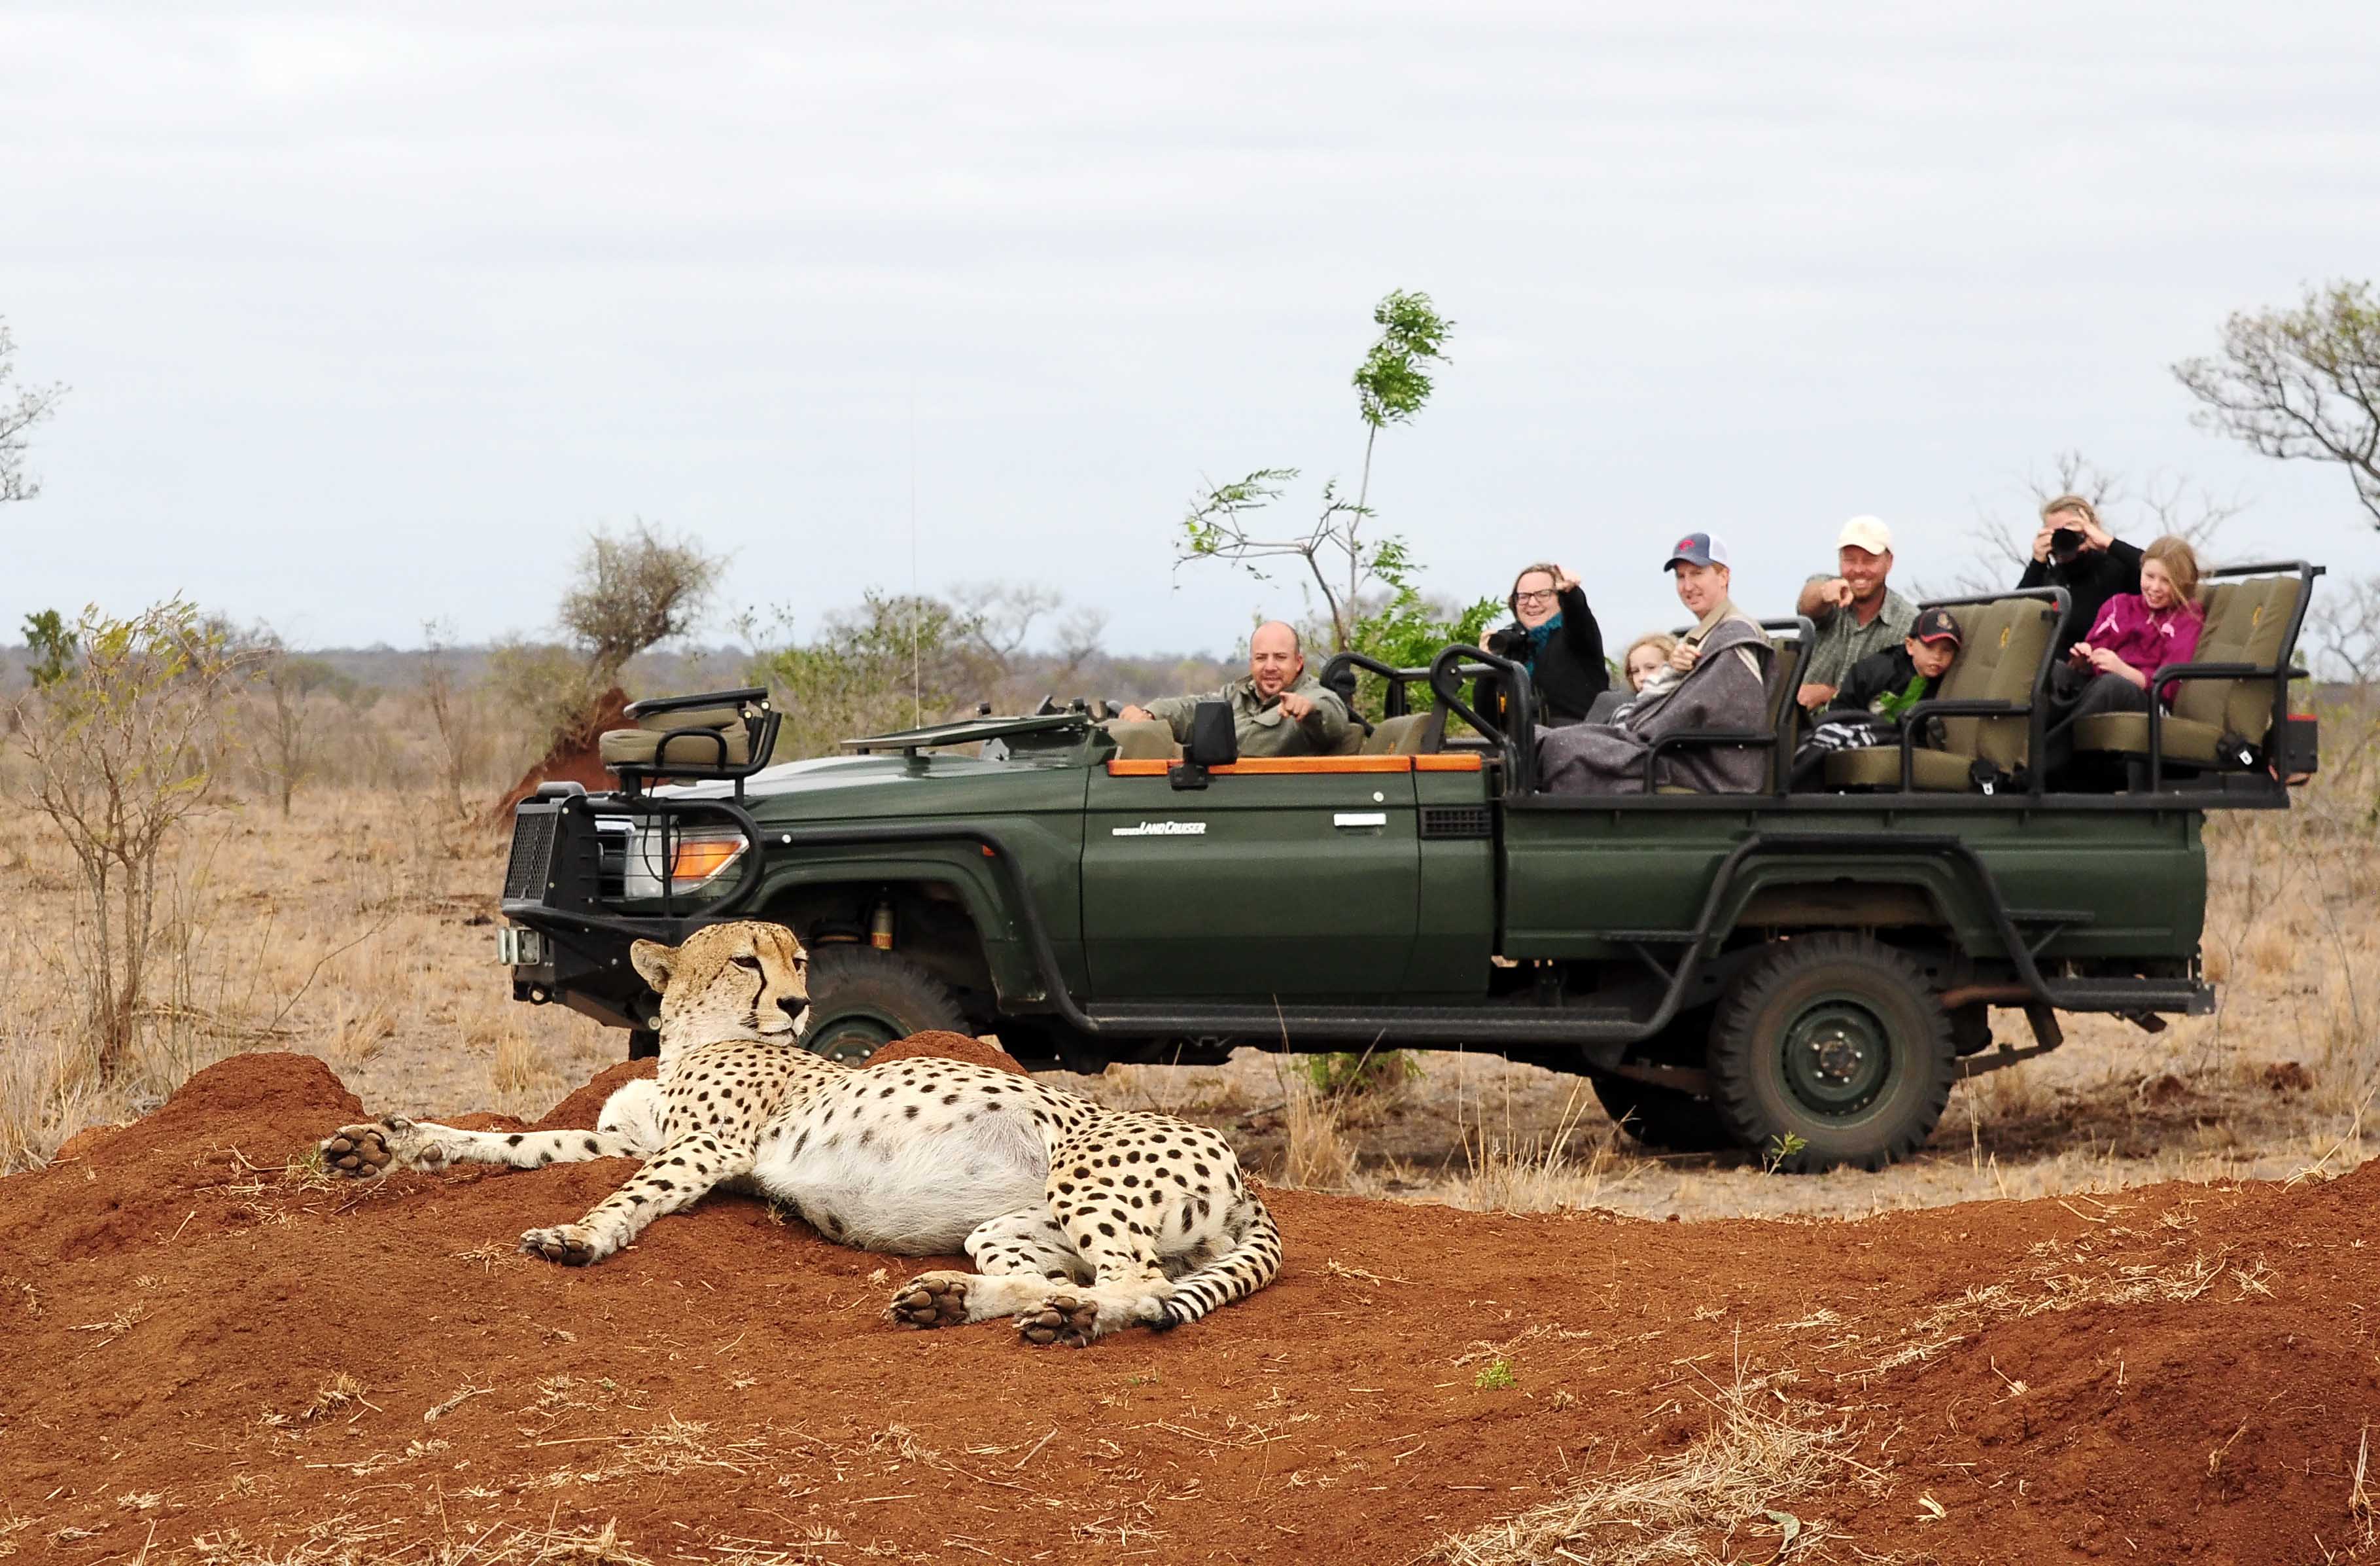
x=574, y=756
x=214, y=1355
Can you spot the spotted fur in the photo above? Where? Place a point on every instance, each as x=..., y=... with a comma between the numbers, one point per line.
x=1079, y=1219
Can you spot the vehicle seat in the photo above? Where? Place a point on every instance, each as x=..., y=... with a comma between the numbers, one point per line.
x=637, y=746
x=1143, y=740
x=1414, y=734
x=2003, y=655
x=1784, y=709
x=2246, y=622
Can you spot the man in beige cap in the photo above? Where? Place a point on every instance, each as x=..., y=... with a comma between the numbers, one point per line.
x=1856, y=614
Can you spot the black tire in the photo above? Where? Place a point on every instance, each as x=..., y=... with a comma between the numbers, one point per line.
x=862, y=999
x=1662, y=1117
x=1831, y=1049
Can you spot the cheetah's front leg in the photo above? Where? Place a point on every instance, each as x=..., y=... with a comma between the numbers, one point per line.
x=361, y=1152
x=676, y=1176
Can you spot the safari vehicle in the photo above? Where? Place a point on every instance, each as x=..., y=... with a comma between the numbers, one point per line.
x=1805, y=973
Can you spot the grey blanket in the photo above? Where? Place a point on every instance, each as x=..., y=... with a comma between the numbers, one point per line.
x=1726, y=691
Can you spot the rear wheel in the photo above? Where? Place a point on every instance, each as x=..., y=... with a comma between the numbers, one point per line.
x=862, y=999
x=1831, y=1049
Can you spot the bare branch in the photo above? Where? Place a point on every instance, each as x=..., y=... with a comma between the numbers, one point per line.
x=2300, y=383
x=29, y=407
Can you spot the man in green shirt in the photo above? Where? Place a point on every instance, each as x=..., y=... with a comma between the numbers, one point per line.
x=1278, y=709
x=1855, y=613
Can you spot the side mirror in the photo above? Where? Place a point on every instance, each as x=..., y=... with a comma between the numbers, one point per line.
x=1214, y=741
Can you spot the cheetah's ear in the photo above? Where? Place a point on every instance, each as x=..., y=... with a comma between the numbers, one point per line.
x=652, y=959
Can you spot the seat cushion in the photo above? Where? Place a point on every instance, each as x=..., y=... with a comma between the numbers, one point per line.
x=1143, y=740
x=636, y=747
x=1414, y=734
x=2247, y=621
x=2127, y=734
x=1938, y=772
x=693, y=717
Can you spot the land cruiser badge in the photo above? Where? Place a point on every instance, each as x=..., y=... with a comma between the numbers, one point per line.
x=1162, y=829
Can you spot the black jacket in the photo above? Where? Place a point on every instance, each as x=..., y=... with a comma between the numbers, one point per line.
x=1567, y=676
x=1878, y=674
x=2090, y=580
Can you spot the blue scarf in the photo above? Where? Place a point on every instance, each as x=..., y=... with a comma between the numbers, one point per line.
x=1539, y=635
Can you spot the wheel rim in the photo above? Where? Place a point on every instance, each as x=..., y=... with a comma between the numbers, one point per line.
x=851, y=1037
x=1836, y=1056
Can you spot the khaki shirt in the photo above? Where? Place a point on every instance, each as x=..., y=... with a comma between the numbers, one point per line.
x=1263, y=728
x=1843, y=641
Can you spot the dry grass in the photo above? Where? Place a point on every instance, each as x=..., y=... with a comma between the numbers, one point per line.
x=1735, y=1493
x=356, y=929
x=1580, y=1163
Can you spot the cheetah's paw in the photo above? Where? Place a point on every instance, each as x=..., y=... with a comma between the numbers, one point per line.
x=572, y=1244
x=933, y=1299
x=363, y=1152
x=1064, y=1321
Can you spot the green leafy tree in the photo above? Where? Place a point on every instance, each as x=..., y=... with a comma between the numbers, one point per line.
x=894, y=659
x=119, y=754
x=52, y=645
x=1344, y=559
x=2300, y=383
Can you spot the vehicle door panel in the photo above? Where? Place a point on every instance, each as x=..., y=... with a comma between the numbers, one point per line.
x=1261, y=883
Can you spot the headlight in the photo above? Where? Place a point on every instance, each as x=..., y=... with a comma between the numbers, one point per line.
x=697, y=857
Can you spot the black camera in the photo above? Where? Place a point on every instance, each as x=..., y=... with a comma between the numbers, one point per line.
x=2066, y=543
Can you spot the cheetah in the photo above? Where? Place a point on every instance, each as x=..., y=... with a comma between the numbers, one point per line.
x=1080, y=1219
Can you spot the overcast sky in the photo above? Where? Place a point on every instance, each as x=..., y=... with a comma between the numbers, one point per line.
x=368, y=320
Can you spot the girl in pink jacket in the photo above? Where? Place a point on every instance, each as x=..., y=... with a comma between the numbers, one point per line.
x=2133, y=635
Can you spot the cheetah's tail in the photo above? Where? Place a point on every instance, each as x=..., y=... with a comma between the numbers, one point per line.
x=1248, y=1266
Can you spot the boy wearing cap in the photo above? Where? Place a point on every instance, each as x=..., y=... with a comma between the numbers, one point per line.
x=1878, y=692
x=1715, y=683
x=1856, y=614
x=1887, y=684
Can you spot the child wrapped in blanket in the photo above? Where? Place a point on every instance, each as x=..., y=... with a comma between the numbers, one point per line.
x=1877, y=694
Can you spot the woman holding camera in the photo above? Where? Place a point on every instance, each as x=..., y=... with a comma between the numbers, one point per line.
x=2074, y=552
x=1554, y=635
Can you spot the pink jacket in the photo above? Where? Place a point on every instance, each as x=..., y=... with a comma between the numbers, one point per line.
x=2147, y=639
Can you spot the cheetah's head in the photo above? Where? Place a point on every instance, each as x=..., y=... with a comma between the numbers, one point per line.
x=745, y=975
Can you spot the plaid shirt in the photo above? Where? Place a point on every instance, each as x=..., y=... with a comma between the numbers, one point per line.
x=1843, y=641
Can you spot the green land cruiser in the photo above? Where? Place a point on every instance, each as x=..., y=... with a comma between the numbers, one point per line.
x=1804, y=973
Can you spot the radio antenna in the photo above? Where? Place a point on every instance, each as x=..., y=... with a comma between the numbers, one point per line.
x=916, y=667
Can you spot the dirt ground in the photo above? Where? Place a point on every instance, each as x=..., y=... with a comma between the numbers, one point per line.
x=218, y=1356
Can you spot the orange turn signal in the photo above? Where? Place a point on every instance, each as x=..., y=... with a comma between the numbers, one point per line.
x=698, y=858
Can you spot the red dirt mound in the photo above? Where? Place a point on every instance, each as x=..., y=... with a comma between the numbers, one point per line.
x=574, y=757
x=936, y=1044
x=215, y=1357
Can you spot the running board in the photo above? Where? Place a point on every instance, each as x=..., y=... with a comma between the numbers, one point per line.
x=2185, y=996
x=1485, y=1024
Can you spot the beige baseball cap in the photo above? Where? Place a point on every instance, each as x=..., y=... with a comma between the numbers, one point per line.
x=1865, y=533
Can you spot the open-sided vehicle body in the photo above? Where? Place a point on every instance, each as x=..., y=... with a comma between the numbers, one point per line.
x=1804, y=973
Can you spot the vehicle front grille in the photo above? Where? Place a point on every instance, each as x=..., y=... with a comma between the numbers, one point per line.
x=532, y=861
x=1457, y=821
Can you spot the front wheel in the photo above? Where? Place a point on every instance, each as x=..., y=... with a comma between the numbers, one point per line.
x=862, y=999
x=1831, y=1049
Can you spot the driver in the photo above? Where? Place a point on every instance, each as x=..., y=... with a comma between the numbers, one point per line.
x=1278, y=709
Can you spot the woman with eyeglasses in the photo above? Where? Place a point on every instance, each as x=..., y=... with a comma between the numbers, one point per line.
x=1553, y=633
